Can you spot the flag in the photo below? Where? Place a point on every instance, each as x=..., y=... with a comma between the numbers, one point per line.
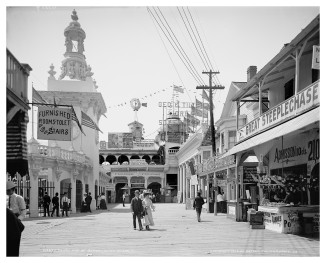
x=204, y=95
x=193, y=120
x=37, y=98
x=201, y=105
x=144, y=104
x=88, y=122
x=198, y=112
x=177, y=88
x=74, y=118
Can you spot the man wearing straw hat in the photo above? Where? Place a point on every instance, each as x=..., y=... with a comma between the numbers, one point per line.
x=16, y=202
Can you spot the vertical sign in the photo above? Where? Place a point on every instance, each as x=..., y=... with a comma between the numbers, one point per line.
x=315, y=57
x=54, y=124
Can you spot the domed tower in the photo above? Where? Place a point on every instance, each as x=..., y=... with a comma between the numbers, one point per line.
x=74, y=65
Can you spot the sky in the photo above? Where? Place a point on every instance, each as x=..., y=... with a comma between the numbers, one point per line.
x=131, y=58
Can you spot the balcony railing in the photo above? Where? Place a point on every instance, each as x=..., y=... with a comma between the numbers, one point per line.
x=49, y=151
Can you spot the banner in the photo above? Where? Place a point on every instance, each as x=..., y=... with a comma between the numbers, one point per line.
x=199, y=113
x=54, y=124
x=201, y=105
x=289, y=108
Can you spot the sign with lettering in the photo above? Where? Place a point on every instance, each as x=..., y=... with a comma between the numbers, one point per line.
x=300, y=149
x=315, y=57
x=247, y=171
x=120, y=140
x=289, y=108
x=54, y=124
x=110, y=187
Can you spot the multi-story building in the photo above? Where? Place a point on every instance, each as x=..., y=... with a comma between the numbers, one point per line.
x=285, y=138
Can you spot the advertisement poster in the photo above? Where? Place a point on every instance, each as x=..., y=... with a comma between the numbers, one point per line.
x=120, y=140
x=54, y=124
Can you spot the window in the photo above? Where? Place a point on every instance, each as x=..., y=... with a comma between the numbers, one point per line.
x=289, y=89
x=232, y=138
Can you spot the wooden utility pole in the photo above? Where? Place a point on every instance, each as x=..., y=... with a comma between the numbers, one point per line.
x=210, y=87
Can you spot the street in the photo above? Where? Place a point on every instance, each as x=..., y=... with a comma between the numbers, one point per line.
x=176, y=233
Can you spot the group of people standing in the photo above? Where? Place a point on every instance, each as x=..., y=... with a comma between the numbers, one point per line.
x=65, y=202
x=141, y=208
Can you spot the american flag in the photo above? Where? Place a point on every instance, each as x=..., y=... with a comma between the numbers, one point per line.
x=88, y=122
x=204, y=95
x=177, y=88
x=74, y=118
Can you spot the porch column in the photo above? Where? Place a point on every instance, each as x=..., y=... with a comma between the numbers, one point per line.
x=184, y=184
x=207, y=193
x=73, y=178
x=33, y=197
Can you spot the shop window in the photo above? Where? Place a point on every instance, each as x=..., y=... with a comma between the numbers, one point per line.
x=232, y=139
x=289, y=89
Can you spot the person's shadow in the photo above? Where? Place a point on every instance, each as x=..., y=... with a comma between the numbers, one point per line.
x=160, y=230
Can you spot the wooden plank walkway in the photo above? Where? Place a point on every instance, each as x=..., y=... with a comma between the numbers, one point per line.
x=176, y=233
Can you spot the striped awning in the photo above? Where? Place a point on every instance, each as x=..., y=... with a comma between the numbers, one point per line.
x=17, y=144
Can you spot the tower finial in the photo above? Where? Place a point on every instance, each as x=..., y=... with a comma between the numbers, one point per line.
x=74, y=15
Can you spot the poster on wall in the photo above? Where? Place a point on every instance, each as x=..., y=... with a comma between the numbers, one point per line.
x=120, y=140
x=54, y=124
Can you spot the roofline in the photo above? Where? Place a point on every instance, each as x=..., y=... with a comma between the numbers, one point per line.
x=281, y=55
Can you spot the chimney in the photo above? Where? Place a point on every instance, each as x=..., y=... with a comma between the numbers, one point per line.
x=251, y=72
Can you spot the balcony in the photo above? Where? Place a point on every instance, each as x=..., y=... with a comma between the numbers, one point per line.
x=17, y=77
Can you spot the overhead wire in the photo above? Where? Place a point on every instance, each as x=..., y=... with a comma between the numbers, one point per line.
x=181, y=50
x=198, y=81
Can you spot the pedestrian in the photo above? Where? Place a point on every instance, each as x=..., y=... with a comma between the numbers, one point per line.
x=55, y=202
x=123, y=198
x=103, y=202
x=16, y=202
x=65, y=204
x=98, y=202
x=198, y=203
x=88, y=201
x=154, y=198
x=46, y=204
x=220, y=200
x=136, y=207
x=148, y=205
x=14, y=231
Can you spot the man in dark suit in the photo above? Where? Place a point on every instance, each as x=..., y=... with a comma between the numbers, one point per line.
x=46, y=204
x=136, y=210
x=198, y=203
x=55, y=202
x=88, y=201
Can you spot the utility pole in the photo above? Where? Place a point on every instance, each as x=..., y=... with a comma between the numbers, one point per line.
x=210, y=87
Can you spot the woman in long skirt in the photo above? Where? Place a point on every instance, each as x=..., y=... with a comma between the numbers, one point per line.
x=148, y=205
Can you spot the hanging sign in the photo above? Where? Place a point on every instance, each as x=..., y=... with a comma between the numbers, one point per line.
x=304, y=100
x=315, y=57
x=54, y=124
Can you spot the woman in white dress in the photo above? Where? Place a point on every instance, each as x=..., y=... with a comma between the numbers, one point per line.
x=148, y=205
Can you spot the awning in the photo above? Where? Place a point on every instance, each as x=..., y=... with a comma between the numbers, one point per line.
x=278, y=131
x=17, y=145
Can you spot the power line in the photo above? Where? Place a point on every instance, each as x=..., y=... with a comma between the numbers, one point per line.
x=196, y=79
x=167, y=51
x=206, y=65
x=181, y=50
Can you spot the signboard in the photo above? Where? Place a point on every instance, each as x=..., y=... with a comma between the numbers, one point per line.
x=289, y=108
x=194, y=180
x=247, y=171
x=144, y=144
x=137, y=162
x=300, y=149
x=120, y=140
x=138, y=185
x=110, y=187
x=54, y=124
x=315, y=57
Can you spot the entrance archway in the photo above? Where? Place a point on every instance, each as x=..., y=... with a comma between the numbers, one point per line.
x=155, y=187
x=123, y=158
x=111, y=159
x=119, y=192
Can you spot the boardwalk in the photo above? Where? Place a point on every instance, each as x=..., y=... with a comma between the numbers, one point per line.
x=176, y=233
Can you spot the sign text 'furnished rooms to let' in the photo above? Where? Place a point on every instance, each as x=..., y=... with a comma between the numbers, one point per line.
x=54, y=124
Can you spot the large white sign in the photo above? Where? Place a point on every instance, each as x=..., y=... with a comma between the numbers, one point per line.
x=315, y=57
x=295, y=105
x=54, y=124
